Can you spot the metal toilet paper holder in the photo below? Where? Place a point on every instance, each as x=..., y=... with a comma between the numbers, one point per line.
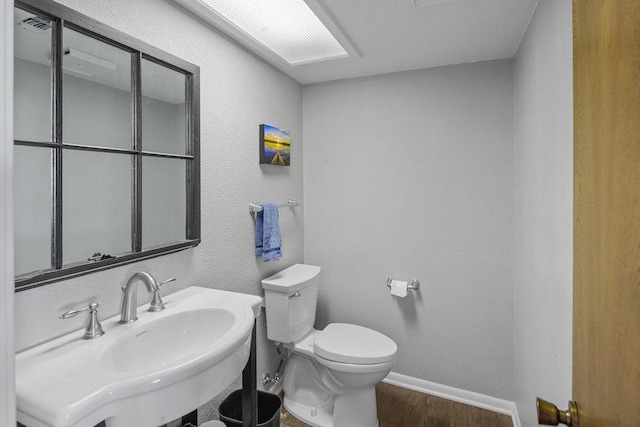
x=414, y=285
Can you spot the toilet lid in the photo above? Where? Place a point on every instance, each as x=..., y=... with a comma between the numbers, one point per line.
x=343, y=342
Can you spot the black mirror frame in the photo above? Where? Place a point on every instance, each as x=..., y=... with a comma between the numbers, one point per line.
x=62, y=16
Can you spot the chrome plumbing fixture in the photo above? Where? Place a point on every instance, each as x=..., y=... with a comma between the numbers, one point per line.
x=156, y=301
x=130, y=299
x=266, y=378
x=94, y=328
x=414, y=285
x=253, y=208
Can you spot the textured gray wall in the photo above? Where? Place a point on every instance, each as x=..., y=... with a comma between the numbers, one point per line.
x=409, y=175
x=543, y=209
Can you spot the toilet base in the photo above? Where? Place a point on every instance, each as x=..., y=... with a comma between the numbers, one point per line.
x=312, y=416
x=303, y=413
x=313, y=395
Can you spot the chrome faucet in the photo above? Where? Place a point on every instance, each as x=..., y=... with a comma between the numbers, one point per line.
x=156, y=302
x=130, y=299
x=94, y=328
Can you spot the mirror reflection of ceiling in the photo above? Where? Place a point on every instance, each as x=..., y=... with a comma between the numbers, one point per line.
x=92, y=60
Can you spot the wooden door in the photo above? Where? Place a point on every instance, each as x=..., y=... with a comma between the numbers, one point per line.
x=606, y=313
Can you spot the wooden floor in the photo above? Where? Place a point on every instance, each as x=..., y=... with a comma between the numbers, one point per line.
x=401, y=407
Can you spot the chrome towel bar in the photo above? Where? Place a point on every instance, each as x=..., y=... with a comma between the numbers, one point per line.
x=253, y=208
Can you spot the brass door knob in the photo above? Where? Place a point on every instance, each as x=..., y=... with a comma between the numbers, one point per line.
x=550, y=415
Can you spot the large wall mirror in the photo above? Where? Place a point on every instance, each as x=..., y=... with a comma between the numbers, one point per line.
x=106, y=156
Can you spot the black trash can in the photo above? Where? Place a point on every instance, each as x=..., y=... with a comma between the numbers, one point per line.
x=268, y=409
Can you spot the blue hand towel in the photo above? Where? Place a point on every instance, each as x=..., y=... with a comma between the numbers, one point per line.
x=268, y=240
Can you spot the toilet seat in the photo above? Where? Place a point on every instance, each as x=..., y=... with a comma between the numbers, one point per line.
x=346, y=343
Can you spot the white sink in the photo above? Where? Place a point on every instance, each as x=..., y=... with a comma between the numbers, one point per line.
x=140, y=374
x=155, y=345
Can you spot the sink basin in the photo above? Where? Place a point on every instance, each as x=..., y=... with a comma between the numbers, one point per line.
x=145, y=373
x=152, y=346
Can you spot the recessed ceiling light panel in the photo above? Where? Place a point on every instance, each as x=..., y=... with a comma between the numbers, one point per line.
x=85, y=64
x=287, y=28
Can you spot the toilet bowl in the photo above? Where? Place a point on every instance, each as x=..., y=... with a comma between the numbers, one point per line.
x=330, y=377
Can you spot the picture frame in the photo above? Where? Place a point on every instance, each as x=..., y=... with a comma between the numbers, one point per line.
x=275, y=146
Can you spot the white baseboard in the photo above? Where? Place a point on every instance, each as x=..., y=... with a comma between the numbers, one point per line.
x=457, y=395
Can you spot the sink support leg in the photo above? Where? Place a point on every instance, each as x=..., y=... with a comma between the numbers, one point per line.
x=191, y=417
x=249, y=386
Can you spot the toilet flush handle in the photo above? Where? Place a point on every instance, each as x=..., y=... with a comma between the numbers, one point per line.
x=294, y=295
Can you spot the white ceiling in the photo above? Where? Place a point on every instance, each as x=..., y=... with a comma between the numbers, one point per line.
x=395, y=35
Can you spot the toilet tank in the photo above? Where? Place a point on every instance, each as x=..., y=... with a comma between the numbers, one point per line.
x=290, y=300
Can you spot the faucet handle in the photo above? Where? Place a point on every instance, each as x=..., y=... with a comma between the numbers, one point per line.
x=171, y=279
x=156, y=301
x=94, y=328
x=73, y=313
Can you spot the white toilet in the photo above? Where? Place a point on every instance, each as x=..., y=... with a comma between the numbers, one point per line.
x=330, y=377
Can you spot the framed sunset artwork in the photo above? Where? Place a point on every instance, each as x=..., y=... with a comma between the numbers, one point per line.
x=275, y=146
